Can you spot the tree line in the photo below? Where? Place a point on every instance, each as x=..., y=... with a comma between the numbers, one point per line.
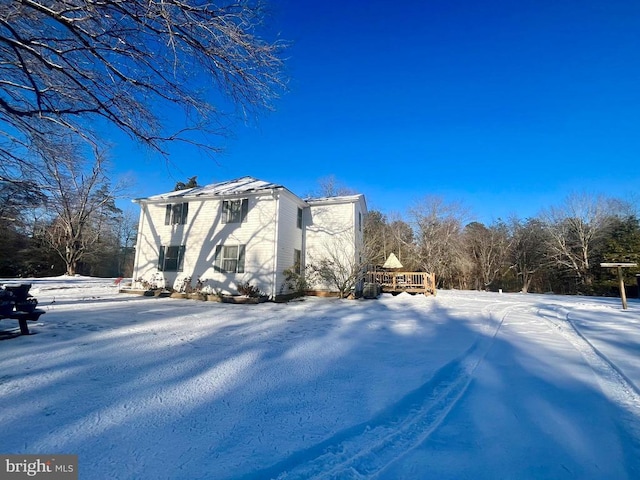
x=559, y=250
x=73, y=227
x=69, y=225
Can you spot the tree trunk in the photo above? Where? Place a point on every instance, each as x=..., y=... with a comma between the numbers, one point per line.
x=71, y=258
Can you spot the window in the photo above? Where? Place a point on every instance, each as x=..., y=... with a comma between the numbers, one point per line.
x=297, y=261
x=359, y=221
x=171, y=258
x=235, y=211
x=176, y=214
x=229, y=259
x=299, y=223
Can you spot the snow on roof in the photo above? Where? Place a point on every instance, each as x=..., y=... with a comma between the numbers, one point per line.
x=241, y=186
x=230, y=187
x=337, y=199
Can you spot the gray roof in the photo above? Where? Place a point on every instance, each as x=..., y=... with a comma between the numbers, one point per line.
x=238, y=186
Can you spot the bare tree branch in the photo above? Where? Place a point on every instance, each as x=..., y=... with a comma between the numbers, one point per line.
x=73, y=64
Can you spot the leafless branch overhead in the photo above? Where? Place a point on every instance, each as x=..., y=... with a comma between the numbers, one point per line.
x=68, y=63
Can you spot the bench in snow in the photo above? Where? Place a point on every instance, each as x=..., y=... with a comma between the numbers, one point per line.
x=17, y=305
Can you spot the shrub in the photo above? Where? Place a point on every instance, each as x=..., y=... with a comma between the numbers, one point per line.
x=295, y=281
x=245, y=288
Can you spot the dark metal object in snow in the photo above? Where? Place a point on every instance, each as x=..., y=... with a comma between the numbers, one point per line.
x=16, y=304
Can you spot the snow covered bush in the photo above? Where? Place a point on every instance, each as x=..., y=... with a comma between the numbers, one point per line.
x=210, y=290
x=157, y=281
x=183, y=285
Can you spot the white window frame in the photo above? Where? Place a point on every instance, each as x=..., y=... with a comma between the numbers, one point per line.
x=171, y=253
x=176, y=213
x=235, y=211
x=228, y=255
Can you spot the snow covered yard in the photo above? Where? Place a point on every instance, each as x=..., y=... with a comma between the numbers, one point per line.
x=463, y=385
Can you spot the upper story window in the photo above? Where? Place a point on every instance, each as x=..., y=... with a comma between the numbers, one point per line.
x=176, y=214
x=299, y=221
x=235, y=211
x=360, y=221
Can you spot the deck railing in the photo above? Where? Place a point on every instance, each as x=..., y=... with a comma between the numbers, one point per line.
x=413, y=282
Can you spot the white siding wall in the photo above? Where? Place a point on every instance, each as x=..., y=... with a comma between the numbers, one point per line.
x=202, y=232
x=330, y=234
x=289, y=238
x=360, y=210
x=141, y=260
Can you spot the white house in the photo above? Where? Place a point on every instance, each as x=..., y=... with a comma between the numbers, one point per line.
x=244, y=230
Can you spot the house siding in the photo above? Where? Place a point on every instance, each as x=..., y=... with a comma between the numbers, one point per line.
x=201, y=234
x=290, y=238
x=330, y=234
x=270, y=235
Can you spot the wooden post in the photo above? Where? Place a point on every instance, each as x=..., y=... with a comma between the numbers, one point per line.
x=623, y=293
x=619, y=267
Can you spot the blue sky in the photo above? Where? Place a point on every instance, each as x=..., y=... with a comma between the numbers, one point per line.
x=503, y=106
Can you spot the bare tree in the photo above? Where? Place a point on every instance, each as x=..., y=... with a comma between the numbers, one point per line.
x=438, y=227
x=576, y=229
x=488, y=248
x=383, y=237
x=376, y=246
x=337, y=265
x=402, y=242
x=330, y=186
x=528, y=249
x=127, y=235
x=338, y=273
x=80, y=203
x=76, y=64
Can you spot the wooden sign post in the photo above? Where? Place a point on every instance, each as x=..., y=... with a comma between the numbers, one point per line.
x=620, y=266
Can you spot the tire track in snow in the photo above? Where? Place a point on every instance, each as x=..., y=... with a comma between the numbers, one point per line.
x=612, y=380
x=365, y=450
x=628, y=381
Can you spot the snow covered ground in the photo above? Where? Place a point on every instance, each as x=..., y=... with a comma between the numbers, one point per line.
x=463, y=385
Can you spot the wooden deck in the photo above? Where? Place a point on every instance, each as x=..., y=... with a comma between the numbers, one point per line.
x=411, y=282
